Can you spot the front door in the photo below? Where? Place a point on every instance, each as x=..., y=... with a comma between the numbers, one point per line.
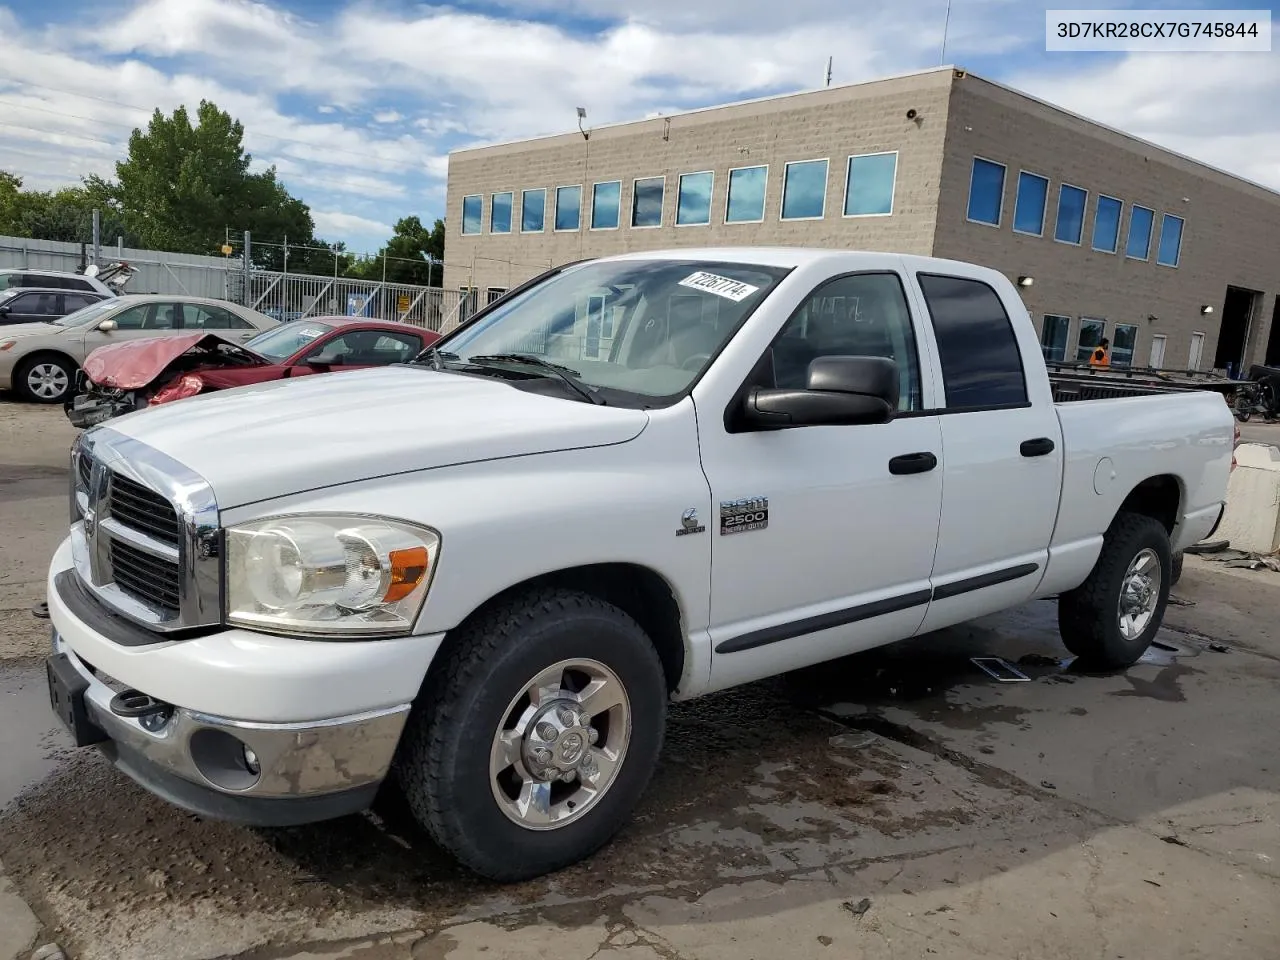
x=138, y=322
x=823, y=537
x=1002, y=446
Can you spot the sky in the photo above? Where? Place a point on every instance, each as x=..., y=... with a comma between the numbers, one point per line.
x=357, y=103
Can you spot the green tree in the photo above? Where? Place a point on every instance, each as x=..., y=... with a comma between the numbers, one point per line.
x=183, y=184
x=414, y=255
x=65, y=214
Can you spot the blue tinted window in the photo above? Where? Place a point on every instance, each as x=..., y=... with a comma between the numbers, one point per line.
x=746, y=195
x=1028, y=209
x=646, y=202
x=533, y=211
x=868, y=186
x=500, y=213
x=605, y=199
x=804, y=190
x=1071, y=204
x=1139, y=243
x=986, y=191
x=693, y=204
x=977, y=348
x=1106, y=224
x=1170, y=240
x=568, y=208
x=472, y=214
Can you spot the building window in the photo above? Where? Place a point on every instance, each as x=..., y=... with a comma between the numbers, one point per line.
x=472, y=215
x=977, y=348
x=533, y=211
x=804, y=190
x=568, y=208
x=693, y=202
x=1028, y=209
x=646, y=202
x=1091, y=333
x=745, y=201
x=1170, y=241
x=1071, y=204
x=1138, y=246
x=500, y=212
x=986, y=192
x=1122, y=344
x=493, y=293
x=1106, y=224
x=869, y=185
x=605, y=201
x=1054, y=336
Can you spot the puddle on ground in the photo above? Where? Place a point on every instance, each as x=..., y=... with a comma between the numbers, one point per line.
x=31, y=737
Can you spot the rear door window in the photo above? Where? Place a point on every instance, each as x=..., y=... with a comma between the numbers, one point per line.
x=978, y=351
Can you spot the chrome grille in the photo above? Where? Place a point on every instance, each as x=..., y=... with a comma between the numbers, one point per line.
x=141, y=508
x=145, y=536
x=150, y=579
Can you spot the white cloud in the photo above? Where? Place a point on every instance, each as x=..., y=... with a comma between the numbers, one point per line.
x=335, y=222
x=432, y=78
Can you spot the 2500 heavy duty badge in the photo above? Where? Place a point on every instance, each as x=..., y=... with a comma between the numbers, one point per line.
x=739, y=516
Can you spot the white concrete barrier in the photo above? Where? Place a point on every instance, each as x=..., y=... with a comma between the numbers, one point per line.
x=1252, y=518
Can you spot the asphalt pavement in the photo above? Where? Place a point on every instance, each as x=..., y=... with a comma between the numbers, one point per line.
x=896, y=804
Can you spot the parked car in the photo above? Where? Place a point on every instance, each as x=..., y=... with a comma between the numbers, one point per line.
x=13, y=277
x=38, y=361
x=120, y=378
x=534, y=537
x=44, y=304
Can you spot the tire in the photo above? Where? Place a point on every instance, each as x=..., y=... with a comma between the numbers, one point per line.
x=444, y=763
x=1176, y=570
x=1089, y=617
x=37, y=378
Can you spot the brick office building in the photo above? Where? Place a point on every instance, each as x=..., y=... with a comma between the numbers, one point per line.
x=1177, y=263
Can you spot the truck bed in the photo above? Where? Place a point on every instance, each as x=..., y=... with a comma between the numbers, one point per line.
x=1076, y=382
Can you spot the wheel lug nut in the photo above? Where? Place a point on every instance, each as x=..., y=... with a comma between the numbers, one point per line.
x=546, y=731
x=566, y=716
x=542, y=755
x=593, y=734
x=569, y=776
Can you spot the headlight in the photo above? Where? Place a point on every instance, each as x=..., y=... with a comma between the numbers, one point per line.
x=328, y=574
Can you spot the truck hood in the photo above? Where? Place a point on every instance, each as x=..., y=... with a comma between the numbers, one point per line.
x=288, y=436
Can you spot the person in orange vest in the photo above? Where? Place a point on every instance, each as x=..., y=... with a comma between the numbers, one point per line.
x=1101, y=356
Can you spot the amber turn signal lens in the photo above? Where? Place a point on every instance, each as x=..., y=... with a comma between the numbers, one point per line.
x=408, y=569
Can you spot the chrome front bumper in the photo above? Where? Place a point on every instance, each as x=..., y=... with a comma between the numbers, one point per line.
x=298, y=772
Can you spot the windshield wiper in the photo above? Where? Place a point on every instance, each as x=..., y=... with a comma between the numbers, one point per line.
x=564, y=374
x=436, y=357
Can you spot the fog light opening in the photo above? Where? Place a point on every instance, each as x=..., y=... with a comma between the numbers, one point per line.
x=224, y=760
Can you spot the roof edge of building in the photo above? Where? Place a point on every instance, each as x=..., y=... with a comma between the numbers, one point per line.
x=948, y=69
x=1136, y=141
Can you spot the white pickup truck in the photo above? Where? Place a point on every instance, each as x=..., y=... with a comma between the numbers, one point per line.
x=479, y=579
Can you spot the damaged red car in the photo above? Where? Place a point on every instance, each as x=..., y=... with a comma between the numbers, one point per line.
x=124, y=377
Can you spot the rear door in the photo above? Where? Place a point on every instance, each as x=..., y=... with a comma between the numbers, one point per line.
x=1002, y=452
x=202, y=316
x=33, y=307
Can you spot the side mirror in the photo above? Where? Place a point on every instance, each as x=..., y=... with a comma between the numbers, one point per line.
x=5, y=310
x=106, y=326
x=325, y=360
x=841, y=391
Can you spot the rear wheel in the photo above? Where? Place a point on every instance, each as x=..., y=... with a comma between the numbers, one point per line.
x=1109, y=621
x=536, y=736
x=44, y=378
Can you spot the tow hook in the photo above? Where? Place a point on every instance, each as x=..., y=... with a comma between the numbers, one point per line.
x=151, y=713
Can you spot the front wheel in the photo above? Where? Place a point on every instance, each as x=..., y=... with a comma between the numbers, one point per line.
x=536, y=736
x=44, y=379
x=1109, y=621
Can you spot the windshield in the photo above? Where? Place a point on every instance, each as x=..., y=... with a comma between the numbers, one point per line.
x=638, y=332
x=89, y=314
x=280, y=343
